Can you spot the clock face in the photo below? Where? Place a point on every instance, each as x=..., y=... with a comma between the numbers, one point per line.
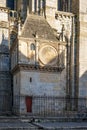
x=48, y=55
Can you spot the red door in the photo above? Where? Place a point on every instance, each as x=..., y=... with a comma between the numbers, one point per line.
x=29, y=104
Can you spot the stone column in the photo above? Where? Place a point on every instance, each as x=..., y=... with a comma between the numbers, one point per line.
x=68, y=69
x=37, y=5
x=41, y=7
x=19, y=27
x=27, y=7
x=33, y=2
x=36, y=50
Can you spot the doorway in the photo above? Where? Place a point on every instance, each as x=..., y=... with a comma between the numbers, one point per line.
x=29, y=103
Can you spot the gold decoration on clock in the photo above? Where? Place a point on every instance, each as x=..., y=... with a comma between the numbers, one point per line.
x=48, y=55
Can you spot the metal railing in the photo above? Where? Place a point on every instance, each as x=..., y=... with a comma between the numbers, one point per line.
x=44, y=106
x=50, y=106
x=5, y=104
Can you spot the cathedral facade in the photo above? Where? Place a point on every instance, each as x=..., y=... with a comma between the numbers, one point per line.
x=46, y=43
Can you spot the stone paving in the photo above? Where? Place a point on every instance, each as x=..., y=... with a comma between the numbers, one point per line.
x=20, y=123
x=16, y=124
x=63, y=125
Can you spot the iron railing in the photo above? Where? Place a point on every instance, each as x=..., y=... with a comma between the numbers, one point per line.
x=5, y=104
x=44, y=106
x=50, y=106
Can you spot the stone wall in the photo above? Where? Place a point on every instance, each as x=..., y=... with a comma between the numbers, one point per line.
x=50, y=84
x=38, y=85
x=51, y=8
x=16, y=92
x=41, y=84
x=5, y=92
x=79, y=8
x=5, y=76
x=3, y=3
x=4, y=26
x=5, y=84
x=83, y=49
x=14, y=58
x=4, y=62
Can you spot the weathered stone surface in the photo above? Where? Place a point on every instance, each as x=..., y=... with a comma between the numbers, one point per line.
x=43, y=84
x=38, y=25
x=83, y=49
x=5, y=76
x=4, y=62
x=3, y=3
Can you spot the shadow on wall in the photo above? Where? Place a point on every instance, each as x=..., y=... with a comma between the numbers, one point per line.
x=4, y=55
x=5, y=77
x=83, y=85
x=4, y=40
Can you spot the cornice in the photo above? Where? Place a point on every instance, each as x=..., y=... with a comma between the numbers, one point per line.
x=36, y=68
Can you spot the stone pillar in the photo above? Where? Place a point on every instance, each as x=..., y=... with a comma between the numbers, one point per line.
x=41, y=4
x=27, y=7
x=69, y=5
x=70, y=65
x=36, y=53
x=75, y=101
x=33, y=2
x=37, y=6
x=68, y=78
x=36, y=50
x=19, y=27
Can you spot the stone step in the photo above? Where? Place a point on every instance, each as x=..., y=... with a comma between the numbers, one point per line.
x=62, y=125
x=16, y=124
x=38, y=123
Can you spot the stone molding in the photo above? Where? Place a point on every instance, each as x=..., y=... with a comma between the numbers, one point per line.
x=37, y=68
x=4, y=24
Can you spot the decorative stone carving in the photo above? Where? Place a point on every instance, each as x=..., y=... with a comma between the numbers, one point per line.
x=48, y=55
x=63, y=25
x=4, y=24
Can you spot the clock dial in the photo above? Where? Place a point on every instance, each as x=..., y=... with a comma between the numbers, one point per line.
x=48, y=55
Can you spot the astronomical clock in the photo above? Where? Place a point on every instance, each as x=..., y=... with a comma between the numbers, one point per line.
x=48, y=55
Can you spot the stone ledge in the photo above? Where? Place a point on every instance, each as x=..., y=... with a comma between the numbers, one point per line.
x=37, y=68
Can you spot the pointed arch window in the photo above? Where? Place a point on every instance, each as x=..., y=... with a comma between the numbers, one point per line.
x=64, y=5
x=32, y=46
